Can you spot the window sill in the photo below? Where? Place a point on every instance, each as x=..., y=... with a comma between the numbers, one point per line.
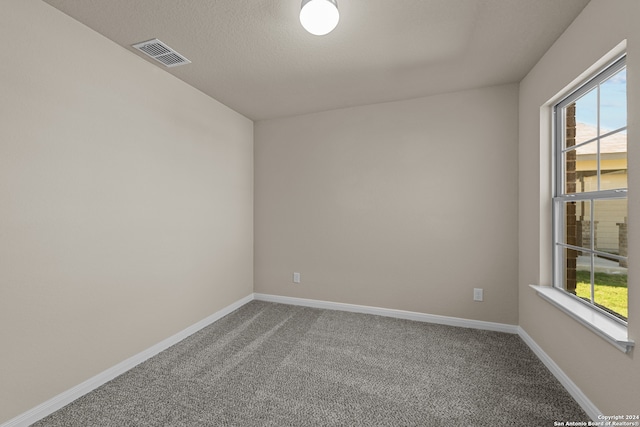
x=606, y=328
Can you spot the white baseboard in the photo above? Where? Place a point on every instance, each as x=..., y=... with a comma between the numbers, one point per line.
x=387, y=312
x=575, y=392
x=64, y=398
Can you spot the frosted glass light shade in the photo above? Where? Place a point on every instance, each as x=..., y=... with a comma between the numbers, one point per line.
x=319, y=17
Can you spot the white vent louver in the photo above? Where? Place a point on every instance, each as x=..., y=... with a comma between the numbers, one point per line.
x=161, y=53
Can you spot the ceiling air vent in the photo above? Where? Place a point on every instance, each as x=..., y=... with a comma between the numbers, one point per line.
x=161, y=53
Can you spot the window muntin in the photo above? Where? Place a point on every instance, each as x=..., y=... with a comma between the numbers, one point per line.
x=590, y=200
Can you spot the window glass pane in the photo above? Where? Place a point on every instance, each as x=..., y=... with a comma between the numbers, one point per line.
x=586, y=116
x=577, y=266
x=570, y=183
x=585, y=177
x=610, y=286
x=613, y=161
x=577, y=224
x=583, y=276
x=610, y=225
x=569, y=131
x=613, y=102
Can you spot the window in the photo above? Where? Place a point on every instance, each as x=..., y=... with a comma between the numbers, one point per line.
x=590, y=192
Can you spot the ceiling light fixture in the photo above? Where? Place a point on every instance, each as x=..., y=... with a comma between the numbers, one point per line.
x=319, y=17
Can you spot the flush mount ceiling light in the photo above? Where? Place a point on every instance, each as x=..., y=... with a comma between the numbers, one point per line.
x=319, y=17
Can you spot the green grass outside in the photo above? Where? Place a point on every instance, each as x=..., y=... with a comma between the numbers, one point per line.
x=610, y=290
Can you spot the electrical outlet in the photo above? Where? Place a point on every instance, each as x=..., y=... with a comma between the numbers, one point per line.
x=477, y=294
x=296, y=277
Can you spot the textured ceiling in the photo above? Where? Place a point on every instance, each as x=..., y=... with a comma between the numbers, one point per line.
x=255, y=57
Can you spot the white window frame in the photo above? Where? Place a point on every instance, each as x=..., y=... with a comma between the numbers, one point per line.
x=560, y=196
x=601, y=322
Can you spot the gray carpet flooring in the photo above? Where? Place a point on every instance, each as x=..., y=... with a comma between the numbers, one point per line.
x=270, y=364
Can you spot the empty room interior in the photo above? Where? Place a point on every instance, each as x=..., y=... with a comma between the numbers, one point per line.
x=411, y=165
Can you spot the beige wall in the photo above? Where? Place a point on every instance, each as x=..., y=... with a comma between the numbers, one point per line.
x=608, y=377
x=126, y=205
x=406, y=205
